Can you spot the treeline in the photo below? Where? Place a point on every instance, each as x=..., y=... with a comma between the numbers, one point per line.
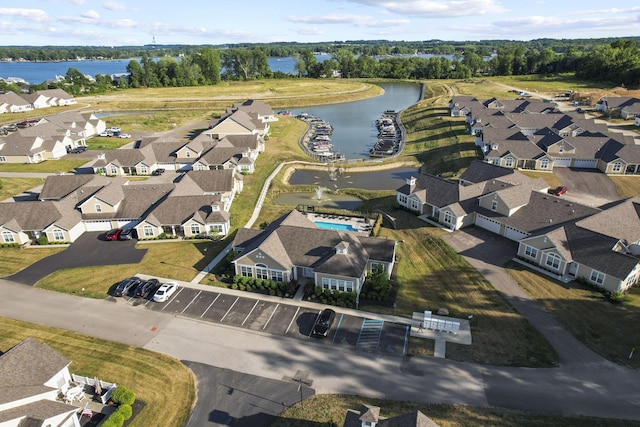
x=617, y=62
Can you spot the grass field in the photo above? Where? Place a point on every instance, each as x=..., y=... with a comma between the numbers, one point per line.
x=176, y=260
x=13, y=260
x=627, y=186
x=106, y=143
x=162, y=383
x=48, y=166
x=10, y=187
x=330, y=410
x=608, y=329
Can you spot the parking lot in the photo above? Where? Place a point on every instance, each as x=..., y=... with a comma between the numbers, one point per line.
x=283, y=317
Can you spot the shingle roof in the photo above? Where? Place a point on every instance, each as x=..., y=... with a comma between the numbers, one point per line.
x=372, y=414
x=138, y=200
x=211, y=181
x=26, y=367
x=178, y=209
x=58, y=186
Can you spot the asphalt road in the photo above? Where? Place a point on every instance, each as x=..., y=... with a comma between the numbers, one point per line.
x=587, y=186
x=597, y=388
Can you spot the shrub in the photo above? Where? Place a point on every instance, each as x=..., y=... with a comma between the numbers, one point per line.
x=125, y=410
x=317, y=291
x=242, y=287
x=122, y=395
x=42, y=240
x=114, y=420
x=234, y=286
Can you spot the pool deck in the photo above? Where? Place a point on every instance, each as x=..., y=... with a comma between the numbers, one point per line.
x=362, y=226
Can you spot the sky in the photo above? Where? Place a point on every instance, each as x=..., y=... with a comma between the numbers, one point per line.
x=219, y=22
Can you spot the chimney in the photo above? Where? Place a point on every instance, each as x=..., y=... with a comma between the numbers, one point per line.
x=411, y=181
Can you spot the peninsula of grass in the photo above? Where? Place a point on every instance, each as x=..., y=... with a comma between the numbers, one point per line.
x=10, y=187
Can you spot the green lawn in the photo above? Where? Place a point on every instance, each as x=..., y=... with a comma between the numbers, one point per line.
x=48, y=166
x=13, y=260
x=162, y=383
x=106, y=143
x=10, y=187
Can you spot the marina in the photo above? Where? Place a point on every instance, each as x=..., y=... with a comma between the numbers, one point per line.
x=390, y=135
x=317, y=140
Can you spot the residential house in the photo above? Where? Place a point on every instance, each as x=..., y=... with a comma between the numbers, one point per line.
x=294, y=248
x=20, y=148
x=624, y=106
x=369, y=416
x=602, y=248
x=565, y=238
x=33, y=376
x=261, y=110
x=186, y=216
x=81, y=125
x=223, y=182
x=238, y=122
x=126, y=161
x=10, y=102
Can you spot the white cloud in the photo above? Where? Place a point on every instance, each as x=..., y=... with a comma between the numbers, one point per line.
x=437, y=9
x=308, y=31
x=353, y=20
x=91, y=14
x=114, y=6
x=33, y=15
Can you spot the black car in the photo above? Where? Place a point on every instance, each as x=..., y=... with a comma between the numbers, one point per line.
x=323, y=323
x=146, y=288
x=126, y=234
x=126, y=287
x=157, y=172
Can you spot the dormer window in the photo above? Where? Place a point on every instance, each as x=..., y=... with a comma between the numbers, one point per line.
x=341, y=248
x=561, y=148
x=188, y=154
x=494, y=205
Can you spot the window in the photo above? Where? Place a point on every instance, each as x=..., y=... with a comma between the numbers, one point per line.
x=402, y=199
x=195, y=228
x=246, y=271
x=188, y=154
x=448, y=217
x=98, y=207
x=3, y=159
x=113, y=170
x=597, y=277
x=617, y=167
x=7, y=237
x=561, y=148
x=278, y=276
x=531, y=252
x=200, y=167
x=494, y=205
x=147, y=231
x=544, y=164
x=508, y=162
x=414, y=203
x=216, y=228
x=58, y=234
x=337, y=285
x=553, y=261
x=261, y=271
x=144, y=169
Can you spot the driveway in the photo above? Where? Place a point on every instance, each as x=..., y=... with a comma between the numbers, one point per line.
x=587, y=186
x=89, y=250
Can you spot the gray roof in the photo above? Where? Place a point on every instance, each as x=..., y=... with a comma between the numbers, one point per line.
x=58, y=186
x=294, y=240
x=36, y=413
x=214, y=181
x=254, y=106
x=138, y=200
x=26, y=367
x=29, y=216
x=178, y=209
x=479, y=171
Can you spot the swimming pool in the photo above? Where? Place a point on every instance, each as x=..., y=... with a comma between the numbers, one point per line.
x=334, y=226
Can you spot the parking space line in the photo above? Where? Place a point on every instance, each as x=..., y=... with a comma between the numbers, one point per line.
x=337, y=328
x=234, y=303
x=292, y=319
x=174, y=297
x=212, y=302
x=406, y=339
x=314, y=323
x=251, y=311
x=191, y=302
x=272, y=313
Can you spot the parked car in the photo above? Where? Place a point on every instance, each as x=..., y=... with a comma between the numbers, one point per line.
x=126, y=287
x=78, y=149
x=114, y=130
x=323, y=322
x=165, y=291
x=157, y=172
x=124, y=135
x=113, y=234
x=105, y=134
x=126, y=234
x=559, y=191
x=143, y=290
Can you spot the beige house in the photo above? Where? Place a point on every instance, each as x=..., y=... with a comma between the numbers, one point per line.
x=294, y=248
x=369, y=416
x=10, y=102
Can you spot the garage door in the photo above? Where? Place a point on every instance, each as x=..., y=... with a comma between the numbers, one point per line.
x=488, y=224
x=586, y=163
x=562, y=163
x=128, y=223
x=513, y=234
x=97, y=225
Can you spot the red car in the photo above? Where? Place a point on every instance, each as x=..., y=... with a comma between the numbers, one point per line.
x=559, y=191
x=114, y=234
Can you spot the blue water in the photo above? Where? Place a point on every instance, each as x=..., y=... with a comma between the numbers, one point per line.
x=38, y=72
x=334, y=226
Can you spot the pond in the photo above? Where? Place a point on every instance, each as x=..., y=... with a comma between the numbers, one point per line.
x=390, y=179
x=354, y=123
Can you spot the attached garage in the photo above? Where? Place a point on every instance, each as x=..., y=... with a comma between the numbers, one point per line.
x=98, y=225
x=585, y=163
x=514, y=234
x=127, y=223
x=488, y=224
x=561, y=163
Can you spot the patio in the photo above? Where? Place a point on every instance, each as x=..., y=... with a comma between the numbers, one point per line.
x=342, y=223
